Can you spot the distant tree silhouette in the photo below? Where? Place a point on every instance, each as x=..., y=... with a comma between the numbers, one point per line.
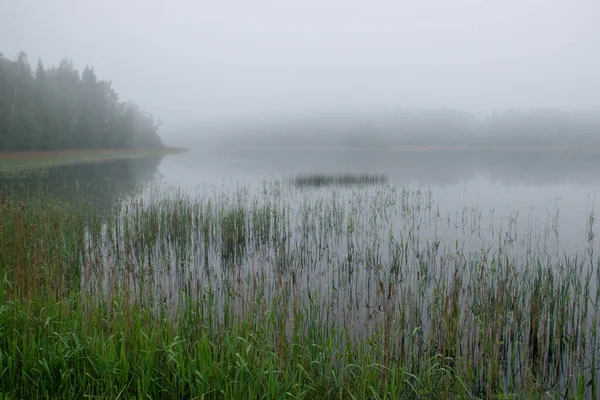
x=58, y=108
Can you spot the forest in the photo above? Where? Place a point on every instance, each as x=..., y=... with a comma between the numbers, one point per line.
x=59, y=108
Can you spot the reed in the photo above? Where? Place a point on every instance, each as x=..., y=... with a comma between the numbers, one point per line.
x=346, y=179
x=277, y=293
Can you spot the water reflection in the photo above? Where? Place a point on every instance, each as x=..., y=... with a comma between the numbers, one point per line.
x=428, y=167
x=98, y=183
x=536, y=185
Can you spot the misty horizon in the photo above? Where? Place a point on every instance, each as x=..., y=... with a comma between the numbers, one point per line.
x=188, y=61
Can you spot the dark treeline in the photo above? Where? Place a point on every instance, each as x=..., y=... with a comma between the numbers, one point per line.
x=59, y=108
x=433, y=127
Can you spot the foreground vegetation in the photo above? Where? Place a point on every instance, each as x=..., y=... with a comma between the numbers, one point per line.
x=286, y=294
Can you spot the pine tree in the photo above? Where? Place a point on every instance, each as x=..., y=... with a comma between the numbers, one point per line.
x=5, y=105
x=56, y=109
x=43, y=107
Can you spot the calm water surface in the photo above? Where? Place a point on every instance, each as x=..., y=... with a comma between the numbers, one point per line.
x=549, y=193
x=540, y=190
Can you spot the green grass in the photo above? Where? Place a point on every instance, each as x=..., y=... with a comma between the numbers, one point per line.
x=11, y=162
x=279, y=294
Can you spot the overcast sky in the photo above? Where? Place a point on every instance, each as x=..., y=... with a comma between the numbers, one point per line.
x=185, y=60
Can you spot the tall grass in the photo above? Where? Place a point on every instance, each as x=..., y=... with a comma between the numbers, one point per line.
x=279, y=294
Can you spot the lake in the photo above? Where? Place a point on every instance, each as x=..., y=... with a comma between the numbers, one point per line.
x=474, y=258
x=525, y=191
x=522, y=192
x=535, y=187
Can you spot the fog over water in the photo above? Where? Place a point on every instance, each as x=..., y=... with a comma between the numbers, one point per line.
x=198, y=60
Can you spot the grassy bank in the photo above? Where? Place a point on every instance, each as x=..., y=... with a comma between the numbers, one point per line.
x=279, y=294
x=17, y=161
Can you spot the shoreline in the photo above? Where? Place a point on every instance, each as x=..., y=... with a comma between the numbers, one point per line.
x=22, y=160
